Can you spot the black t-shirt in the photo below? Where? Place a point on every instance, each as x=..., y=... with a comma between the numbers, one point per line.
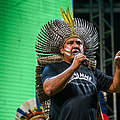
x=78, y=100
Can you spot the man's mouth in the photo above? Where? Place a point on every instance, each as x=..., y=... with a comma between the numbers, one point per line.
x=75, y=51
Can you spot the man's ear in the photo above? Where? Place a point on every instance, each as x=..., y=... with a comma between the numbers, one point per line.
x=61, y=49
x=84, y=48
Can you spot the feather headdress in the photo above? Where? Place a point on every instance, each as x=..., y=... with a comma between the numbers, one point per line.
x=56, y=32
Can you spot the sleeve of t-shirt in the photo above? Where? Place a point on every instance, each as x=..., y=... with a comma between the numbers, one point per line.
x=48, y=72
x=103, y=81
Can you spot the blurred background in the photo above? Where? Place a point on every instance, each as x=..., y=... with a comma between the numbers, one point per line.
x=105, y=15
x=21, y=20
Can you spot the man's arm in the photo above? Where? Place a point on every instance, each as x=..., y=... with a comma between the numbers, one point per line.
x=57, y=83
x=115, y=86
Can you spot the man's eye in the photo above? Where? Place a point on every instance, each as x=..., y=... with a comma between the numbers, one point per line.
x=78, y=42
x=70, y=42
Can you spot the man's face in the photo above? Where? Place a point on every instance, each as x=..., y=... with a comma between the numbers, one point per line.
x=71, y=47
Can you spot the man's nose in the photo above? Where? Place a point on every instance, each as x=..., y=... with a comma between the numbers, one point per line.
x=75, y=44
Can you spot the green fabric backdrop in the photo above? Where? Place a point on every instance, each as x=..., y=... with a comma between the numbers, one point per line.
x=20, y=21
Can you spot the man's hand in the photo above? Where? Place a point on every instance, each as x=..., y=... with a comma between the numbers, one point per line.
x=115, y=86
x=117, y=60
x=78, y=59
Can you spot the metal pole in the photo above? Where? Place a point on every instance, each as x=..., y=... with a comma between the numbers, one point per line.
x=91, y=11
x=112, y=46
x=101, y=33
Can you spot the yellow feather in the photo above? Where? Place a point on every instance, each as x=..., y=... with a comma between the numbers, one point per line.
x=64, y=16
x=70, y=18
x=72, y=13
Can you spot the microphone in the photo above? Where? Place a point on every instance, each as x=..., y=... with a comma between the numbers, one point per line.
x=85, y=62
x=89, y=63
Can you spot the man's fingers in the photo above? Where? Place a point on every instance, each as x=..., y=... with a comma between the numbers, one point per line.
x=117, y=60
x=82, y=58
x=118, y=53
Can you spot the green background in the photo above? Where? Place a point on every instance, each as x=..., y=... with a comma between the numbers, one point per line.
x=20, y=21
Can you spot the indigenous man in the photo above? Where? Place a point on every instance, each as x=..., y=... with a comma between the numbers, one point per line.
x=73, y=83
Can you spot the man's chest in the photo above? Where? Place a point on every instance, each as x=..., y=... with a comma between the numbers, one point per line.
x=83, y=81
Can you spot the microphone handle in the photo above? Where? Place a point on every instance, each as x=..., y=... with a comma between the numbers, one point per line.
x=89, y=63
